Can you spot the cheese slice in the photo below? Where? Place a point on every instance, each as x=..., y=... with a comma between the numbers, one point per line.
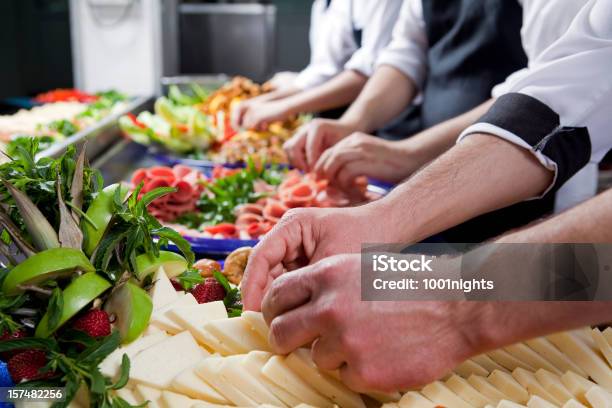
x=158, y=365
x=482, y=385
x=277, y=371
x=582, y=354
x=470, y=367
x=390, y=405
x=188, y=383
x=602, y=344
x=381, y=397
x=257, y=322
x=573, y=404
x=507, y=360
x=151, y=329
x=505, y=383
x=413, y=399
x=552, y=383
x=608, y=334
x=127, y=395
x=509, y=404
x=210, y=370
x=162, y=292
x=198, y=314
x=253, y=363
x=548, y=350
x=599, y=398
x=173, y=400
x=442, y=395
x=466, y=392
x=524, y=353
x=530, y=382
x=111, y=365
x=487, y=363
x=577, y=385
x=160, y=318
x=584, y=334
x=233, y=371
x=537, y=402
x=300, y=362
x=144, y=394
x=192, y=324
x=237, y=335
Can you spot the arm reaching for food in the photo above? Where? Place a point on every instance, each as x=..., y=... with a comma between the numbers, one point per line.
x=321, y=303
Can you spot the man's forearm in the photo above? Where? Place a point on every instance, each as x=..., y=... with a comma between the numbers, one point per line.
x=384, y=97
x=276, y=94
x=337, y=92
x=481, y=174
x=429, y=144
x=590, y=222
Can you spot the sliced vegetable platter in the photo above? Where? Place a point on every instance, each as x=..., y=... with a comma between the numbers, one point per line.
x=191, y=125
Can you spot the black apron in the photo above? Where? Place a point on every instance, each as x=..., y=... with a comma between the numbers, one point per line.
x=473, y=46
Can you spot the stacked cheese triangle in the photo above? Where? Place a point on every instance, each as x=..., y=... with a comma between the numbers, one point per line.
x=194, y=356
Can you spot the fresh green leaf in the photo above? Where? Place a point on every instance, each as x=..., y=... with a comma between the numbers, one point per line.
x=27, y=343
x=98, y=352
x=176, y=238
x=124, y=375
x=189, y=278
x=55, y=308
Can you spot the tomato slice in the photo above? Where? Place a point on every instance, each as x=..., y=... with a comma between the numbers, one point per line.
x=225, y=229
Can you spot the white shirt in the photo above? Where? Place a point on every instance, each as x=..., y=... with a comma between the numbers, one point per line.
x=332, y=43
x=570, y=74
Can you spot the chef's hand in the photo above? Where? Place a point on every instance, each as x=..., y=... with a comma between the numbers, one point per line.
x=364, y=155
x=378, y=346
x=259, y=116
x=305, y=148
x=304, y=236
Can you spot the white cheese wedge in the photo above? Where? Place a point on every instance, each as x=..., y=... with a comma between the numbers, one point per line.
x=127, y=395
x=162, y=292
x=277, y=371
x=509, y=404
x=470, y=367
x=302, y=405
x=552, y=383
x=112, y=363
x=602, y=344
x=160, y=318
x=442, y=395
x=524, y=353
x=210, y=370
x=482, y=385
x=151, y=329
x=584, y=334
x=193, y=323
x=550, y=352
x=466, y=392
x=233, y=371
x=173, y=400
x=599, y=398
x=509, y=386
x=190, y=384
x=147, y=394
x=381, y=397
x=237, y=335
x=537, y=402
x=253, y=364
x=199, y=314
x=487, y=362
x=577, y=385
x=507, y=360
x=573, y=404
x=529, y=381
x=582, y=354
x=300, y=362
x=390, y=405
x=413, y=399
x=608, y=334
x=257, y=322
x=158, y=365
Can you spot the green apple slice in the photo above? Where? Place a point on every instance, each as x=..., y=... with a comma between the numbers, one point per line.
x=78, y=294
x=173, y=263
x=132, y=309
x=100, y=212
x=53, y=263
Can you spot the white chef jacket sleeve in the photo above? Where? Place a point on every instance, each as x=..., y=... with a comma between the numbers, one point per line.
x=560, y=110
x=407, y=50
x=379, y=18
x=331, y=46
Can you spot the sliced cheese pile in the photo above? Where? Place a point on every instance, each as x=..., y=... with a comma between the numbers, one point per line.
x=194, y=356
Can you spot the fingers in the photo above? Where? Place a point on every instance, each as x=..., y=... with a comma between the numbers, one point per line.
x=288, y=292
x=326, y=354
x=314, y=145
x=348, y=174
x=334, y=159
x=295, y=148
x=237, y=115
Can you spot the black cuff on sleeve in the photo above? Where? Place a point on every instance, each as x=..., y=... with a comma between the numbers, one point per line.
x=539, y=126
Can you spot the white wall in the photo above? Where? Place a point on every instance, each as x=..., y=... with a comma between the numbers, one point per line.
x=125, y=56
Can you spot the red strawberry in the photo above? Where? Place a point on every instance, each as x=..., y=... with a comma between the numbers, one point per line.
x=177, y=285
x=26, y=366
x=6, y=335
x=209, y=291
x=95, y=323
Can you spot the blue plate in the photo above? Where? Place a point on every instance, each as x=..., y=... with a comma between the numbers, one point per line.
x=215, y=248
x=169, y=159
